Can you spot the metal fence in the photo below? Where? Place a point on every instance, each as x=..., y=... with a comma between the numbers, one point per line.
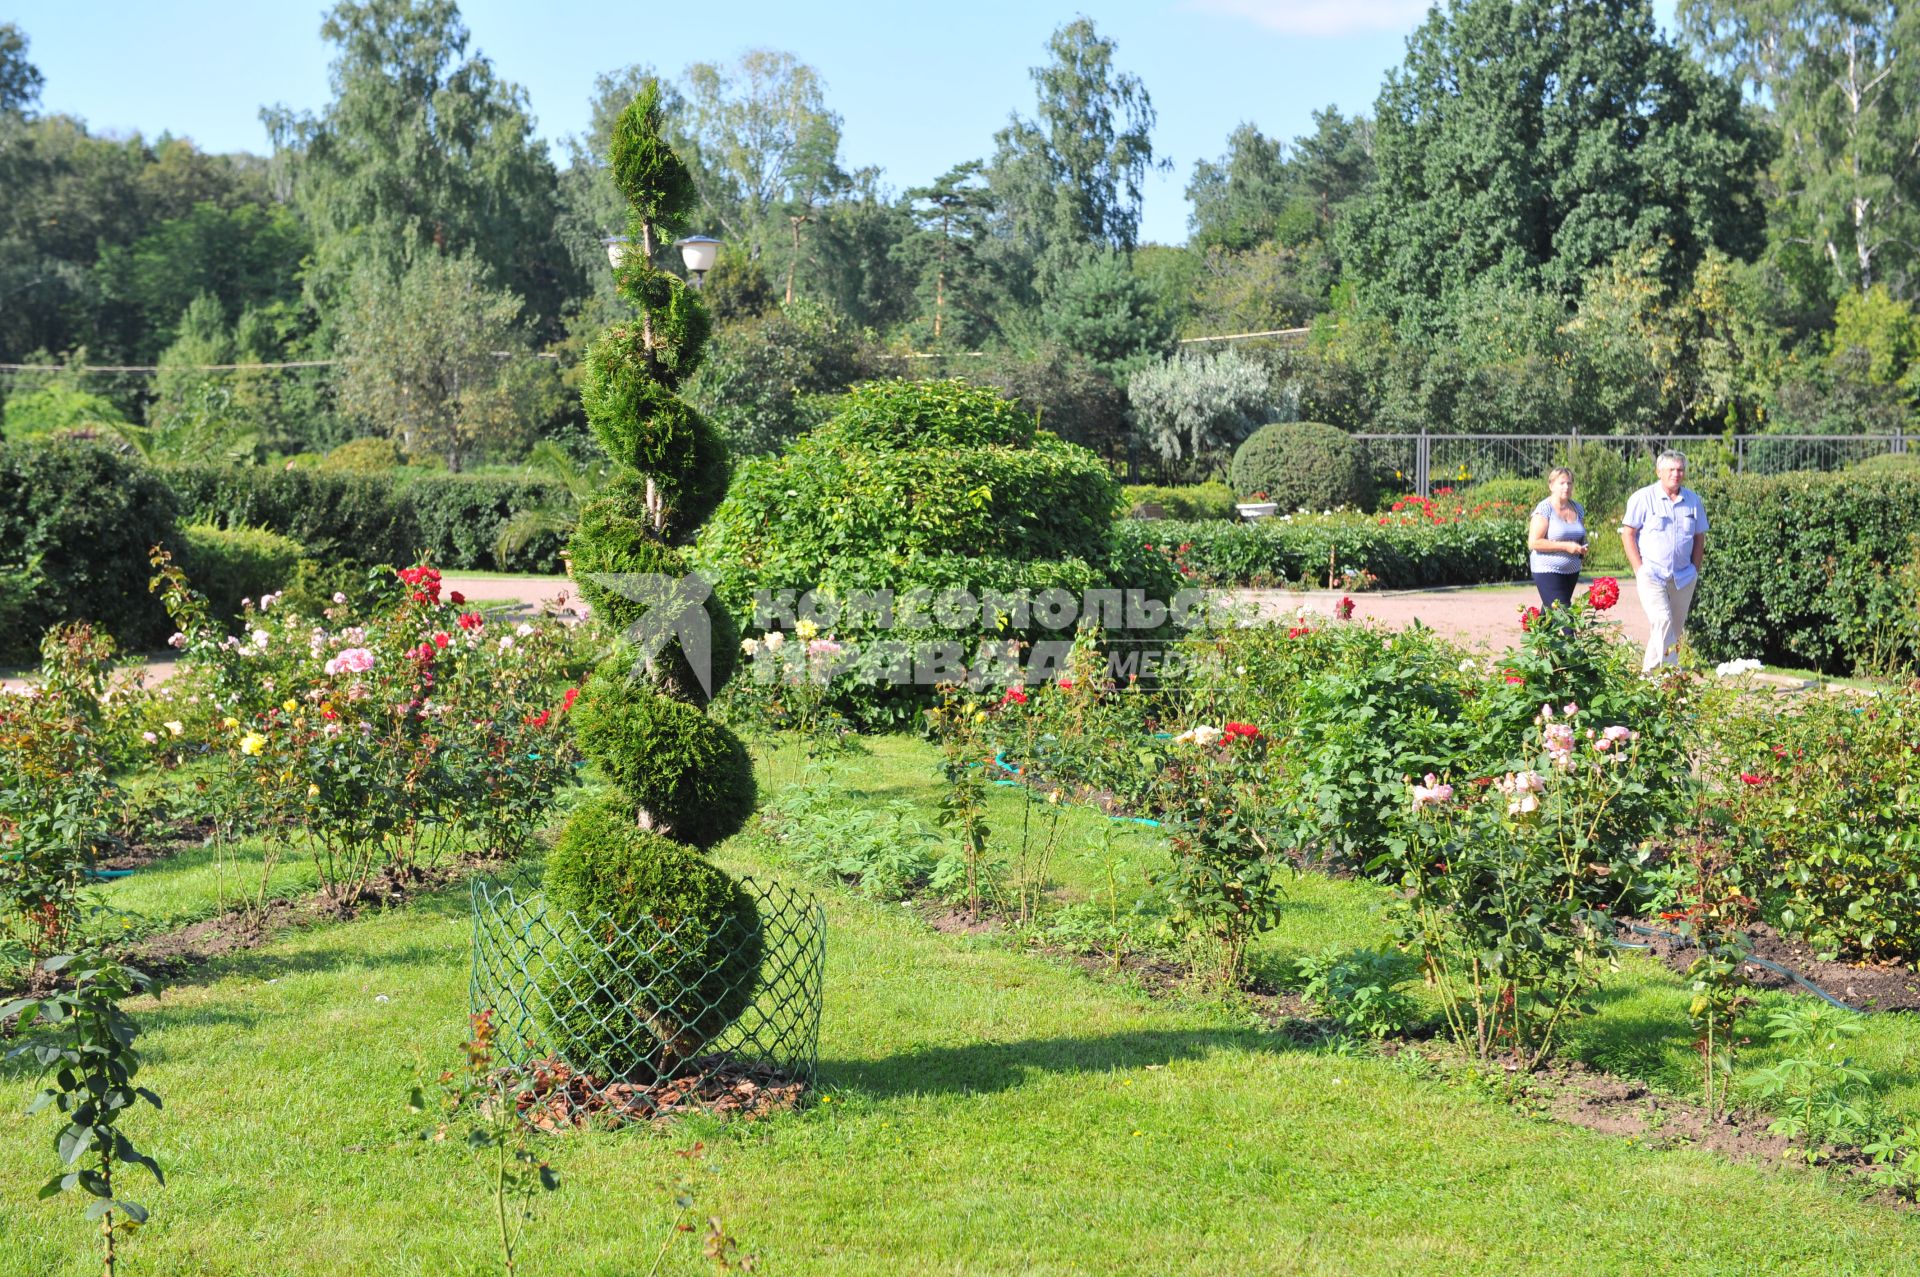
x=1426, y=461
x=603, y=1025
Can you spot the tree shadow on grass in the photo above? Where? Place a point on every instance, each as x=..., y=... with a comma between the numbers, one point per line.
x=985, y=1067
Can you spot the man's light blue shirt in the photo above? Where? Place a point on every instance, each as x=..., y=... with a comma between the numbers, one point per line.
x=1667, y=527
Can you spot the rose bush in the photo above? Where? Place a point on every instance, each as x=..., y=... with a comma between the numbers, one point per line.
x=376, y=738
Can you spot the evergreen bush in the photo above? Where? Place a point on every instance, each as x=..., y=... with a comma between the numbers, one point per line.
x=665, y=948
x=680, y=988
x=1301, y=465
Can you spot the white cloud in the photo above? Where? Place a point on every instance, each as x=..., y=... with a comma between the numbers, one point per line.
x=1319, y=17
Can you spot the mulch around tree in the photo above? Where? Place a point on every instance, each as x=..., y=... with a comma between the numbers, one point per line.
x=558, y=1097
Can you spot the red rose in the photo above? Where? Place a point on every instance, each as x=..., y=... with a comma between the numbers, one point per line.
x=1014, y=696
x=566, y=702
x=1298, y=631
x=538, y=720
x=441, y=638
x=1066, y=685
x=456, y=598
x=1603, y=593
x=1343, y=610
x=1528, y=617
x=1515, y=678
x=1755, y=780
x=469, y=620
x=1243, y=731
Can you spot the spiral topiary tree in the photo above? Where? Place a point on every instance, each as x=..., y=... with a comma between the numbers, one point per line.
x=662, y=949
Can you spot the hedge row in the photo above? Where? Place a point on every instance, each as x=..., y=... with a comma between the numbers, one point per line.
x=76, y=525
x=1400, y=553
x=1811, y=570
x=370, y=518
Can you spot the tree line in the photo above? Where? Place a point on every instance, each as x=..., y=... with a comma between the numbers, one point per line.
x=1555, y=217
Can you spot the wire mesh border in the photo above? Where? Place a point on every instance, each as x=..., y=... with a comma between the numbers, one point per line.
x=772, y=1046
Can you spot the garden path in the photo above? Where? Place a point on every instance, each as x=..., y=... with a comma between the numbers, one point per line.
x=1479, y=616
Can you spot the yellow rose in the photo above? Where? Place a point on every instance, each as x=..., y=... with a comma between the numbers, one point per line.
x=313, y=791
x=806, y=630
x=252, y=743
x=289, y=705
x=229, y=723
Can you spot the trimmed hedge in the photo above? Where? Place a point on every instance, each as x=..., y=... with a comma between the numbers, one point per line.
x=76, y=524
x=1402, y=554
x=367, y=519
x=1810, y=570
x=1188, y=501
x=1300, y=465
x=231, y=564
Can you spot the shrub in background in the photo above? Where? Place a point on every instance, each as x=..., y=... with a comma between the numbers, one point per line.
x=370, y=454
x=1188, y=501
x=931, y=485
x=231, y=564
x=453, y=521
x=1397, y=551
x=1301, y=465
x=1810, y=570
x=79, y=520
x=1190, y=405
x=663, y=949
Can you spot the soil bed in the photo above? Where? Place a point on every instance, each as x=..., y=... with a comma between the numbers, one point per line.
x=1864, y=987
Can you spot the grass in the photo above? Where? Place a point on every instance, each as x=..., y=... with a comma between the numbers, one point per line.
x=984, y=1109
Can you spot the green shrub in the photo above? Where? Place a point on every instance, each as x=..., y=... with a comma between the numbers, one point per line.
x=365, y=519
x=1190, y=501
x=690, y=774
x=82, y=519
x=663, y=949
x=1521, y=492
x=928, y=485
x=1400, y=553
x=672, y=944
x=372, y=454
x=895, y=415
x=1889, y=463
x=1810, y=570
x=1301, y=465
x=54, y=409
x=231, y=564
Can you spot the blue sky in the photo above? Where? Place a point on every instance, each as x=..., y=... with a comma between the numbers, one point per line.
x=920, y=87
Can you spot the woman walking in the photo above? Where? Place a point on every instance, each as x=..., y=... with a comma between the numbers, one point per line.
x=1557, y=540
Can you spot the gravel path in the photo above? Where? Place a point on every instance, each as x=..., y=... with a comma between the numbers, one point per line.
x=1482, y=616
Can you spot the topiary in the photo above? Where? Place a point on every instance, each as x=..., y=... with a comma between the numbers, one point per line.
x=618, y=1009
x=1300, y=465
x=663, y=949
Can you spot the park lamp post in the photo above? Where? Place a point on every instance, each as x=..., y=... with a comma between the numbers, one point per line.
x=698, y=252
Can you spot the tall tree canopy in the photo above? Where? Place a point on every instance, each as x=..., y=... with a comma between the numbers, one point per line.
x=1842, y=78
x=1528, y=141
x=422, y=145
x=1068, y=182
x=20, y=80
x=760, y=142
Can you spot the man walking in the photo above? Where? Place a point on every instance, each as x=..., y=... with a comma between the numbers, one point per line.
x=1665, y=536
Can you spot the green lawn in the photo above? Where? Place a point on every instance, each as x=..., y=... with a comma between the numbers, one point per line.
x=992, y=1111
